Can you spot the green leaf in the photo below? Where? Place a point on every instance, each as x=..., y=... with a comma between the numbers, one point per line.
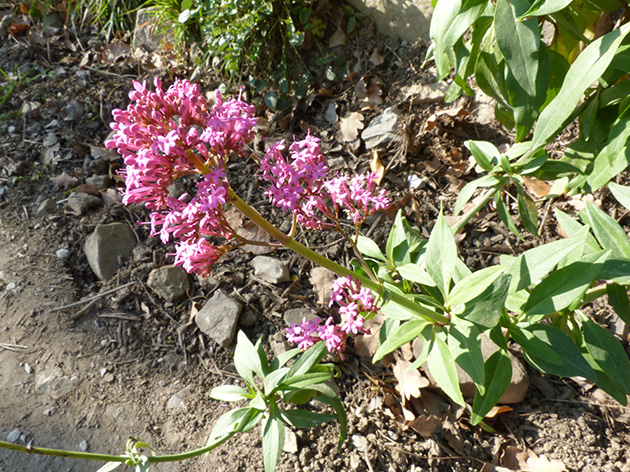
x=305, y=380
x=464, y=342
x=565, y=286
x=310, y=357
x=284, y=358
x=505, y=216
x=535, y=263
x=573, y=363
x=441, y=255
x=572, y=228
x=621, y=193
x=403, y=241
x=306, y=419
x=608, y=353
x=545, y=7
x=442, y=367
x=519, y=42
x=273, y=439
x=427, y=337
x=607, y=231
x=485, y=153
x=240, y=419
x=605, y=382
x=110, y=466
x=466, y=193
x=585, y=70
x=246, y=359
x=618, y=299
x=415, y=273
x=486, y=309
x=473, y=285
x=369, y=248
x=616, y=270
x=405, y=333
x=273, y=379
x=528, y=211
x=614, y=157
x=498, y=374
x=528, y=341
x=230, y=393
x=331, y=398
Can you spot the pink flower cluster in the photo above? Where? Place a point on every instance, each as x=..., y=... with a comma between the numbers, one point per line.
x=299, y=184
x=356, y=302
x=166, y=135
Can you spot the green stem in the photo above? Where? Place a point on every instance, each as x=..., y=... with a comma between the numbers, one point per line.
x=594, y=293
x=322, y=261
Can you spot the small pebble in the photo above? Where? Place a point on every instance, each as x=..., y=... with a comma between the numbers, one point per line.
x=14, y=435
x=83, y=446
x=109, y=378
x=11, y=129
x=63, y=253
x=47, y=412
x=11, y=286
x=104, y=342
x=27, y=368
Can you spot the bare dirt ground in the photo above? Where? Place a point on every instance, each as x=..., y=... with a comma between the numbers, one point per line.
x=87, y=376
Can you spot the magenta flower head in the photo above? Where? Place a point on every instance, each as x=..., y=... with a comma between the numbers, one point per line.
x=165, y=135
x=299, y=184
x=355, y=304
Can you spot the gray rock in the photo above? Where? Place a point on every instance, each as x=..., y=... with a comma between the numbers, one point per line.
x=425, y=93
x=142, y=253
x=247, y=319
x=63, y=253
x=14, y=435
x=105, y=245
x=483, y=108
x=101, y=181
x=84, y=446
x=169, y=282
x=297, y=315
x=219, y=317
x=47, y=207
x=518, y=385
x=178, y=401
x=290, y=442
x=54, y=385
x=278, y=344
x=382, y=129
x=270, y=270
x=78, y=203
x=360, y=442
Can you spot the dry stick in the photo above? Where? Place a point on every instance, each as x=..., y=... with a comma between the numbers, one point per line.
x=12, y=347
x=83, y=311
x=95, y=297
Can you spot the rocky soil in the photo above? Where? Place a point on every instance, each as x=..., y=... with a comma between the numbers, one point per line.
x=102, y=339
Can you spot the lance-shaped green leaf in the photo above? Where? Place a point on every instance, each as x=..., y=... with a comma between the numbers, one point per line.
x=573, y=228
x=485, y=153
x=621, y=193
x=369, y=248
x=230, y=393
x=238, y=420
x=614, y=157
x=443, y=369
x=545, y=7
x=498, y=374
x=466, y=193
x=519, y=42
x=535, y=263
x=473, y=285
x=111, y=466
x=415, y=273
x=607, y=231
x=405, y=333
x=505, y=216
x=528, y=211
x=486, y=309
x=618, y=298
x=587, y=68
x=310, y=357
x=306, y=419
x=305, y=380
x=616, y=270
x=246, y=359
x=573, y=363
x=528, y=341
x=607, y=353
x=273, y=439
x=329, y=397
x=464, y=342
x=441, y=255
x=403, y=241
x=284, y=358
x=606, y=382
x=565, y=286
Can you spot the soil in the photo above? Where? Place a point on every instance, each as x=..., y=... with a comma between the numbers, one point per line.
x=88, y=376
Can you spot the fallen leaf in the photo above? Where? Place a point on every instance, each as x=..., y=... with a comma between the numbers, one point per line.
x=527, y=461
x=497, y=410
x=338, y=38
x=424, y=425
x=410, y=382
x=536, y=187
x=376, y=58
x=367, y=344
x=350, y=126
x=66, y=181
x=433, y=120
x=322, y=280
x=377, y=167
x=249, y=231
x=103, y=153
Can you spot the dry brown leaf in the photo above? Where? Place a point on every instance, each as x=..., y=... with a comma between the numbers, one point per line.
x=410, y=382
x=252, y=232
x=103, y=153
x=536, y=187
x=424, y=425
x=376, y=58
x=497, y=410
x=322, y=280
x=433, y=120
x=527, y=461
x=377, y=166
x=367, y=344
x=338, y=38
x=350, y=126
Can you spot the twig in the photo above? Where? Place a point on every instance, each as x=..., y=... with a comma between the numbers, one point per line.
x=95, y=297
x=12, y=347
x=83, y=311
x=121, y=316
